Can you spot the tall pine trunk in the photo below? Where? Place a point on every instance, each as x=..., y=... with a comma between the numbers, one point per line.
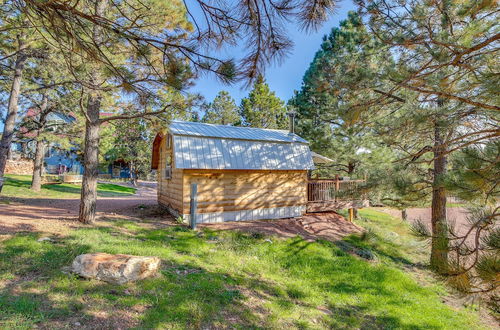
x=10, y=120
x=133, y=173
x=36, y=181
x=440, y=240
x=88, y=197
x=351, y=166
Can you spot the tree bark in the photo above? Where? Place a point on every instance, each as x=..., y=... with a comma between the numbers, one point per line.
x=88, y=197
x=404, y=215
x=440, y=239
x=133, y=174
x=36, y=181
x=439, y=224
x=10, y=120
x=351, y=166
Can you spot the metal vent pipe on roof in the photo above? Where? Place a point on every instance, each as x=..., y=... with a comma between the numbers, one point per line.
x=291, y=115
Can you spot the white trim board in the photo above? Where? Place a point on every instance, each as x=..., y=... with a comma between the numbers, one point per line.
x=249, y=215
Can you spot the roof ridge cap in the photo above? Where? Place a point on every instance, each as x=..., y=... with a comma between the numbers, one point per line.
x=226, y=126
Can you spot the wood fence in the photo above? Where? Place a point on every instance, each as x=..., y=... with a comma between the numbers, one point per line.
x=333, y=190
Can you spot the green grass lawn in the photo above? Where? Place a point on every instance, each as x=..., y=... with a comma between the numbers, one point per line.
x=228, y=280
x=456, y=205
x=19, y=186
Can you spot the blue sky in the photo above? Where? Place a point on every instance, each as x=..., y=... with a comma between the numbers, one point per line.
x=286, y=77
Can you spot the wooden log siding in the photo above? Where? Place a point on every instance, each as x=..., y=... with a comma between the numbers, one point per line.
x=236, y=190
x=170, y=191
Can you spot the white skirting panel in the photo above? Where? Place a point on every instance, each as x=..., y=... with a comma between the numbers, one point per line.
x=248, y=215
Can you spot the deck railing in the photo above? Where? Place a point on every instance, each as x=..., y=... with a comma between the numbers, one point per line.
x=333, y=190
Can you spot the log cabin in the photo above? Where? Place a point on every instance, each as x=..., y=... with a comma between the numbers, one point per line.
x=241, y=173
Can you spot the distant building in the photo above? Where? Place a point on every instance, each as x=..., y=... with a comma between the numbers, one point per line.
x=56, y=160
x=59, y=160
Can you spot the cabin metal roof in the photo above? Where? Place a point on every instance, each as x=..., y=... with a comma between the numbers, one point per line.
x=205, y=146
x=320, y=159
x=233, y=132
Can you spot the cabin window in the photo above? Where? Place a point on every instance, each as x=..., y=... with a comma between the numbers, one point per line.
x=169, y=141
x=168, y=167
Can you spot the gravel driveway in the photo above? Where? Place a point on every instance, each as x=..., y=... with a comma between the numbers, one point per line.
x=45, y=214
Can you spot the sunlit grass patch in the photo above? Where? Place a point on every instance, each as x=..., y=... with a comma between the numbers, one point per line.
x=226, y=279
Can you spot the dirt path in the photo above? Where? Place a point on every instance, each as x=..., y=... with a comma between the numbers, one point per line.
x=312, y=226
x=38, y=214
x=456, y=215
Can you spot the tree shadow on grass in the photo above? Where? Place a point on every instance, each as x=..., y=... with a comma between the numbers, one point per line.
x=182, y=294
x=203, y=298
x=359, y=317
x=353, y=277
x=186, y=293
x=374, y=244
x=25, y=266
x=15, y=228
x=24, y=183
x=24, y=255
x=103, y=189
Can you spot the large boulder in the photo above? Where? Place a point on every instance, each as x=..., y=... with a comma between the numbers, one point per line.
x=115, y=268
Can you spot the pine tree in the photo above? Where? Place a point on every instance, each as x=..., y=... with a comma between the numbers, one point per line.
x=222, y=110
x=259, y=25
x=443, y=72
x=118, y=68
x=333, y=80
x=17, y=46
x=474, y=177
x=262, y=108
x=48, y=91
x=355, y=82
x=131, y=142
x=474, y=174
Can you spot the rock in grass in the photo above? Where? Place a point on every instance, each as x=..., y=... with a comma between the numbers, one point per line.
x=360, y=252
x=44, y=239
x=365, y=254
x=115, y=268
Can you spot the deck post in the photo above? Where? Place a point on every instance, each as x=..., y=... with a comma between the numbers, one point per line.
x=337, y=185
x=193, y=205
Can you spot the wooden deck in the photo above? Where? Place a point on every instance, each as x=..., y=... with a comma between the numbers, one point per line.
x=334, y=194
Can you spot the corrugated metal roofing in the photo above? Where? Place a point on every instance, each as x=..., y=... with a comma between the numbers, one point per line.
x=194, y=152
x=232, y=132
x=207, y=146
x=317, y=158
